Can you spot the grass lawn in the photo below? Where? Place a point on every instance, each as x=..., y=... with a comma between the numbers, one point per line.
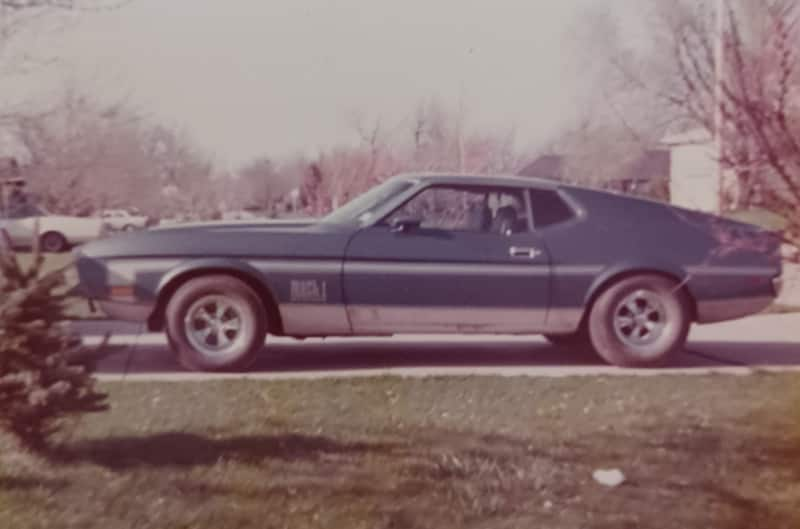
x=489, y=452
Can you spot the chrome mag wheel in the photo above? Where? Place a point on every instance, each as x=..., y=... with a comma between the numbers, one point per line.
x=640, y=319
x=213, y=324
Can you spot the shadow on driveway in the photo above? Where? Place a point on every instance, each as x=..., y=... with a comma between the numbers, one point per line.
x=752, y=354
x=506, y=355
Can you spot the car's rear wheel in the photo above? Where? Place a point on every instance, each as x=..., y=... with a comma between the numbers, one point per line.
x=216, y=323
x=53, y=242
x=640, y=321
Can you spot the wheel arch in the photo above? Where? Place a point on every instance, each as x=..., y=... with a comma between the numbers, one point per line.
x=617, y=274
x=179, y=276
x=58, y=233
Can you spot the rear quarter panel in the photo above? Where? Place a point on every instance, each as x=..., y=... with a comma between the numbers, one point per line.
x=620, y=235
x=615, y=235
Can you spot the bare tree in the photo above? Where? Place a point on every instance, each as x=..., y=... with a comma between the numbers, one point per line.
x=63, y=140
x=174, y=163
x=752, y=107
x=615, y=122
x=74, y=152
x=265, y=184
x=82, y=155
x=436, y=140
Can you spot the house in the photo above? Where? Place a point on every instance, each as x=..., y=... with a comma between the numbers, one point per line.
x=646, y=174
x=550, y=166
x=694, y=181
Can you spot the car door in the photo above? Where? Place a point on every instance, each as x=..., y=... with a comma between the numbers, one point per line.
x=451, y=259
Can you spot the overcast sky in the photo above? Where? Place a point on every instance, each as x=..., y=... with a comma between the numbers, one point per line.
x=252, y=77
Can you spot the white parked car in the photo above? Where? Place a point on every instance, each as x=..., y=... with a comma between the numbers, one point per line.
x=177, y=219
x=123, y=220
x=240, y=215
x=57, y=233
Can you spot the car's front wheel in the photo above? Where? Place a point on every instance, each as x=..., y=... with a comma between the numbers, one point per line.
x=640, y=321
x=53, y=242
x=216, y=323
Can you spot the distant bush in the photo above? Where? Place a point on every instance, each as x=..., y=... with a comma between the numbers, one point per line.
x=46, y=377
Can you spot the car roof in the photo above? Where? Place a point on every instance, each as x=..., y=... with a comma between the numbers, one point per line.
x=478, y=179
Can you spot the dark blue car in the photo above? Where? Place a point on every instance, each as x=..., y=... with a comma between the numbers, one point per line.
x=442, y=254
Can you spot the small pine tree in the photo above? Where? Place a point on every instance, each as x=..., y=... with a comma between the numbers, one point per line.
x=45, y=374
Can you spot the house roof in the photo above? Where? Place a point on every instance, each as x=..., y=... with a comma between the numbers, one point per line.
x=687, y=137
x=546, y=166
x=652, y=164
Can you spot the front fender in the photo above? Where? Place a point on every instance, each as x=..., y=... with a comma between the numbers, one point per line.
x=217, y=264
x=240, y=269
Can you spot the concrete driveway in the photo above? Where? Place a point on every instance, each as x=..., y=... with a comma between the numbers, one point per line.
x=760, y=342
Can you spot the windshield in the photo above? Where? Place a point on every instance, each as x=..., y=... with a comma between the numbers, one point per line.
x=23, y=211
x=363, y=206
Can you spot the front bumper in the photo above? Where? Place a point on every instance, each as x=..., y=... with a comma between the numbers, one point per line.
x=126, y=311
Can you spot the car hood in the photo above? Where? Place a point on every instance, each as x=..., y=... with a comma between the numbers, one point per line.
x=238, y=239
x=234, y=224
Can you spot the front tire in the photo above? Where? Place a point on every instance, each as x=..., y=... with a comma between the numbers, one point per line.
x=216, y=323
x=640, y=321
x=53, y=242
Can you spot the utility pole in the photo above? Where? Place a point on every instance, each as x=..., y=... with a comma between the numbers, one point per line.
x=719, y=72
x=460, y=129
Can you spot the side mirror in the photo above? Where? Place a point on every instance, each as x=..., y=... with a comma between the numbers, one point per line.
x=405, y=225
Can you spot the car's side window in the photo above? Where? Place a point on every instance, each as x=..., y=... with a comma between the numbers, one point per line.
x=444, y=208
x=477, y=209
x=509, y=213
x=22, y=211
x=549, y=208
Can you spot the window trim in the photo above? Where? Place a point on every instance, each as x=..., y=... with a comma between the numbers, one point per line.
x=578, y=212
x=28, y=213
x=485, y=189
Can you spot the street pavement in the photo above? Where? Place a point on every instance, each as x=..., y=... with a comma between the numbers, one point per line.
x=765, y=342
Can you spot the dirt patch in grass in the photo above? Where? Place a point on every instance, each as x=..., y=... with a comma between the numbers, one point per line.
x=705, y=451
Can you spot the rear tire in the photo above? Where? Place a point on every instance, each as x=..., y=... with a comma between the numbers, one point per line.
x=216, y=323
x=53, y=242
x=640, y=321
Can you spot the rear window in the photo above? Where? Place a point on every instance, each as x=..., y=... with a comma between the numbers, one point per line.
x=549, y=208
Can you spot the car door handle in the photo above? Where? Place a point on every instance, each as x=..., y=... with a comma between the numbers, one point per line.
x=524, y=251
